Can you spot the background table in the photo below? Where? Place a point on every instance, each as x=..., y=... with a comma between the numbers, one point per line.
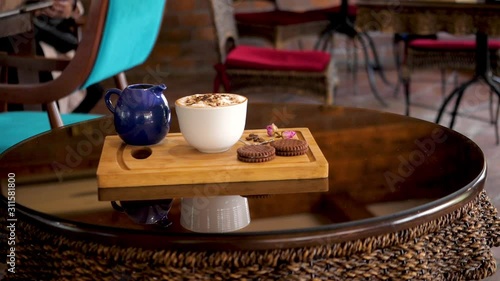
x=427, y=17
x=402, y=204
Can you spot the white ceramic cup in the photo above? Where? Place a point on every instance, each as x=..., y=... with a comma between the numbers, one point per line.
x=212, y=129
x=216, y=214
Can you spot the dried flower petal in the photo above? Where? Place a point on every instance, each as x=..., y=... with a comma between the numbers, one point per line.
x=271, y=130
x=288, y=134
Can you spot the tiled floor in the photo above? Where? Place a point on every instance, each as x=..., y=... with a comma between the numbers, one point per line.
x=426, y=95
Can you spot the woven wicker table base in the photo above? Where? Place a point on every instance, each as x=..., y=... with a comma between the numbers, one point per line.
x=454, y=247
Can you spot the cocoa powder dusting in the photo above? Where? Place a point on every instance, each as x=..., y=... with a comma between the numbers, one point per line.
x=211, y=100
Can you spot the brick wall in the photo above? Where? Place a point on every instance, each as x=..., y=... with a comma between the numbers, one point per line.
x=186, y=43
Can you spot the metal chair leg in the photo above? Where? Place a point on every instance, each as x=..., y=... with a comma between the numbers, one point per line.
x=406, y=85
x=490, y=107
x=460, y=94
x=377, y=66
x=397, y=61
x=353, y=65
x=492, y=82
x=370, y=71
x=450, y=97
x=443, y=82
x=496, y=123
x=492, y=118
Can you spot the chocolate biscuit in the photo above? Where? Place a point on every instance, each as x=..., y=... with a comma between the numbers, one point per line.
x=290, y=147
x=256, y=153
x=256, y=160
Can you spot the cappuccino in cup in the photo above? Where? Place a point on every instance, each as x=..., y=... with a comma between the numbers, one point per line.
x=212, y=122
x=211, y=100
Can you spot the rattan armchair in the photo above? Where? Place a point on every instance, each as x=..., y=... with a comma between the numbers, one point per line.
x=443, y=54
x=243, y=67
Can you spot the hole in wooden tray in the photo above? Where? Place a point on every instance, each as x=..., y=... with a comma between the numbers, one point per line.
x=141, y=153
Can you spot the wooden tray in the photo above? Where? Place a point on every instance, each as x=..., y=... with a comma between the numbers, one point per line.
x=173, y=169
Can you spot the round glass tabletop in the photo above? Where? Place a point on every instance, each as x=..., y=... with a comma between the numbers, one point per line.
x=386, y=173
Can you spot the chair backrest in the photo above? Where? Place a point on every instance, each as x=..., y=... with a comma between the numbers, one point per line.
x=225, y=26
x=129, y=35
x=118, y=35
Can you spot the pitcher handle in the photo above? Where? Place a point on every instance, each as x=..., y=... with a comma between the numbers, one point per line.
x=117, y=207
x=107, y=99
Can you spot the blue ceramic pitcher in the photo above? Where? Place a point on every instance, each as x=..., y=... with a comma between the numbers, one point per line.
x=141, y=114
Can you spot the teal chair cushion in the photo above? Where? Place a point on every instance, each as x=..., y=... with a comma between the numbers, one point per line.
x=129, y=35
x=20, y=125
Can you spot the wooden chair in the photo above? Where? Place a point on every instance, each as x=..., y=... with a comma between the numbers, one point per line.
x=242, y=67
x=118, y=36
